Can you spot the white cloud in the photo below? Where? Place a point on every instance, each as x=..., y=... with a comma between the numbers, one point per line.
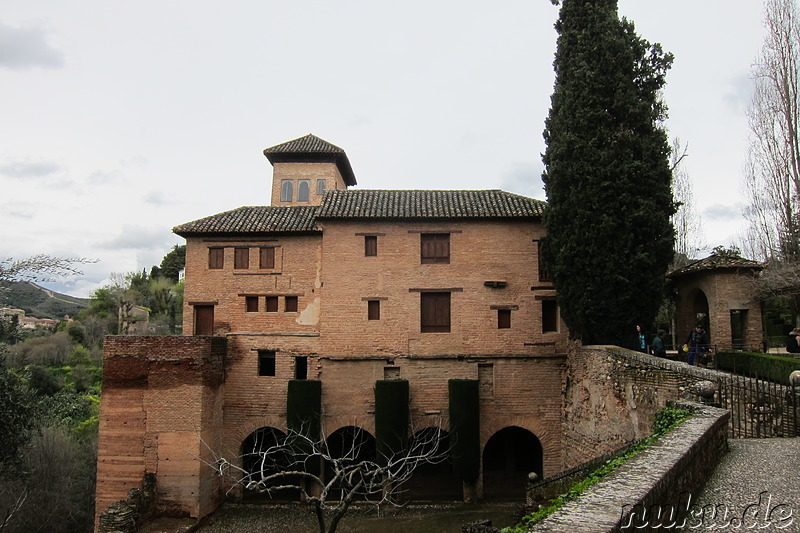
x=135, y=237
x=29, y=167
x=26, y=47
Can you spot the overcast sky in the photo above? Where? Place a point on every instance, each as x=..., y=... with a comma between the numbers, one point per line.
x=121, y=120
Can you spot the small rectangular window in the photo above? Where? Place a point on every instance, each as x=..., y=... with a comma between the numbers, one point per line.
x=266, y=362
x=301, y=367
x=251, y=304
x=370, y=245
x=266, y=257
x=272, y=304
x=435, y=248
x=549, y=316
x=435, y=312
x=290, y=304
x=216, y=258
x=241, y=258
x=373, y=310
x=503, y=318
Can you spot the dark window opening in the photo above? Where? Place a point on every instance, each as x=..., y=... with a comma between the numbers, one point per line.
x=435, y=312
x=373, y=310
x=370, y=245
x=272, y=304
x=216, y=258
x=241, y=258
x=435, y=248
x=303, y=191
x=503, y=318
x=301, y=367
x=266, y=362
x=549, y=316
x=251, y=304
x=544, y=275
x=290, y=304
x=266, y=258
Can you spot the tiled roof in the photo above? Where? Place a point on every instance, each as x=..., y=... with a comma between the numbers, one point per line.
x=312, y=148
x=393, y=204
x=717, y=262
x=259, y=219
x=374, y=204
x=305, y=145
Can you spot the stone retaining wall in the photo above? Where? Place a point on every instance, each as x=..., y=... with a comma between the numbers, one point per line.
x=666, y=474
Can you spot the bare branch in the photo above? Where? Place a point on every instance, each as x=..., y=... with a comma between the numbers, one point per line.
x=40, y=267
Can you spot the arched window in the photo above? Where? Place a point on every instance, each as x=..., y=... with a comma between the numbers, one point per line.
x=303, y=191
x=320, y=187
x=287, y=190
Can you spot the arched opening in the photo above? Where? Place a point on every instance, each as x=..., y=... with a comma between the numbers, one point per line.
x=433, y=480
x=260, y=459
x=352, y=445
x=700, y=310
x=508, y=457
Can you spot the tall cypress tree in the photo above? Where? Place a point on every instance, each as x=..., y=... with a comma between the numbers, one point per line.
x=607, y=177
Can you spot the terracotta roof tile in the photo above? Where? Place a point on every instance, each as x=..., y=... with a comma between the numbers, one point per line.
x=716, y=262
x=259, y=219
x=395, y=204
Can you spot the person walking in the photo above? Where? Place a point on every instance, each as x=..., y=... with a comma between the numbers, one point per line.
x=641, y=340
x=658, y=344
x=698, y=343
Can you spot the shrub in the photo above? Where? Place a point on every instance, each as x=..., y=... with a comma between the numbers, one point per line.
x=762, y=365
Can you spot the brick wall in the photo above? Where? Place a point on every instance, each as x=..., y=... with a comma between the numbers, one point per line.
x=159, y=403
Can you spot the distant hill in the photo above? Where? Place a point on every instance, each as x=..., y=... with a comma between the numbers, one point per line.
x=39, y=302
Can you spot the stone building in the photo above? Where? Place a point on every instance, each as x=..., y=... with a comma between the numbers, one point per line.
x=716, y=292
x=347, y=288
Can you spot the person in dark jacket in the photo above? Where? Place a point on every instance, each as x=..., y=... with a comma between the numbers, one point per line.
x=658, y=344
x=698, y=343
x=792, y=344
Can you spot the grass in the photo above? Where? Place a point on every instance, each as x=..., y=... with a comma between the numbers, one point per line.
x=666, y=419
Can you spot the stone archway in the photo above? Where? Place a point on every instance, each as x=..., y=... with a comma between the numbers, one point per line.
x=434, y=481
x=257, y=463
x=508, y=457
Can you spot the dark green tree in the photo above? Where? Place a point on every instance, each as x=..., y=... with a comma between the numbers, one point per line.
x=607, y=175
x=173, y=263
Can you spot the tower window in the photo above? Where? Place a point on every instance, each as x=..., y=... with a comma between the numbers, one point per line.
x=370, y=245
x=303, y=191
x=266, y=362
x=290, y=304
x=287, y=190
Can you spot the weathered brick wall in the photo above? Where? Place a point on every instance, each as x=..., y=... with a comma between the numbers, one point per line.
x=296, y=273
x=159, y=402
x=612, y=395
x=480, y=251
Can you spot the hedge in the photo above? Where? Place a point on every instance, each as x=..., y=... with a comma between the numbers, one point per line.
x=762, y=365
x=465, y=428
x=391, y=417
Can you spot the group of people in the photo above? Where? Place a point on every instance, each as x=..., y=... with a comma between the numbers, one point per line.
x=698, y=344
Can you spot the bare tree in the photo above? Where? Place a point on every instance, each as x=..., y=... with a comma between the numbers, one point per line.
x=686, y=220
x=39, y=267
x=292, y=462
x=772, y=174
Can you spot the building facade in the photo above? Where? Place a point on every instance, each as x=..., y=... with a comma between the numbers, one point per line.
x=348, y=288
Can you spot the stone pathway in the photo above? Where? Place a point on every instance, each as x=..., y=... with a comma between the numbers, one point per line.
x=756, y=487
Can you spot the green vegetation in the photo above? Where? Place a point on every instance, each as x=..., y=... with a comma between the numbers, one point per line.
x=665, y=419
x=50, y=383
x=607, y=177
x=39, y=302
x=766, y=366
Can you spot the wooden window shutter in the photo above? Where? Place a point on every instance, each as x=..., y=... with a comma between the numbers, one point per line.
x=370, y=245
x=241, y=258
x=435, y=312
x=216, y=258
x=267, y=257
